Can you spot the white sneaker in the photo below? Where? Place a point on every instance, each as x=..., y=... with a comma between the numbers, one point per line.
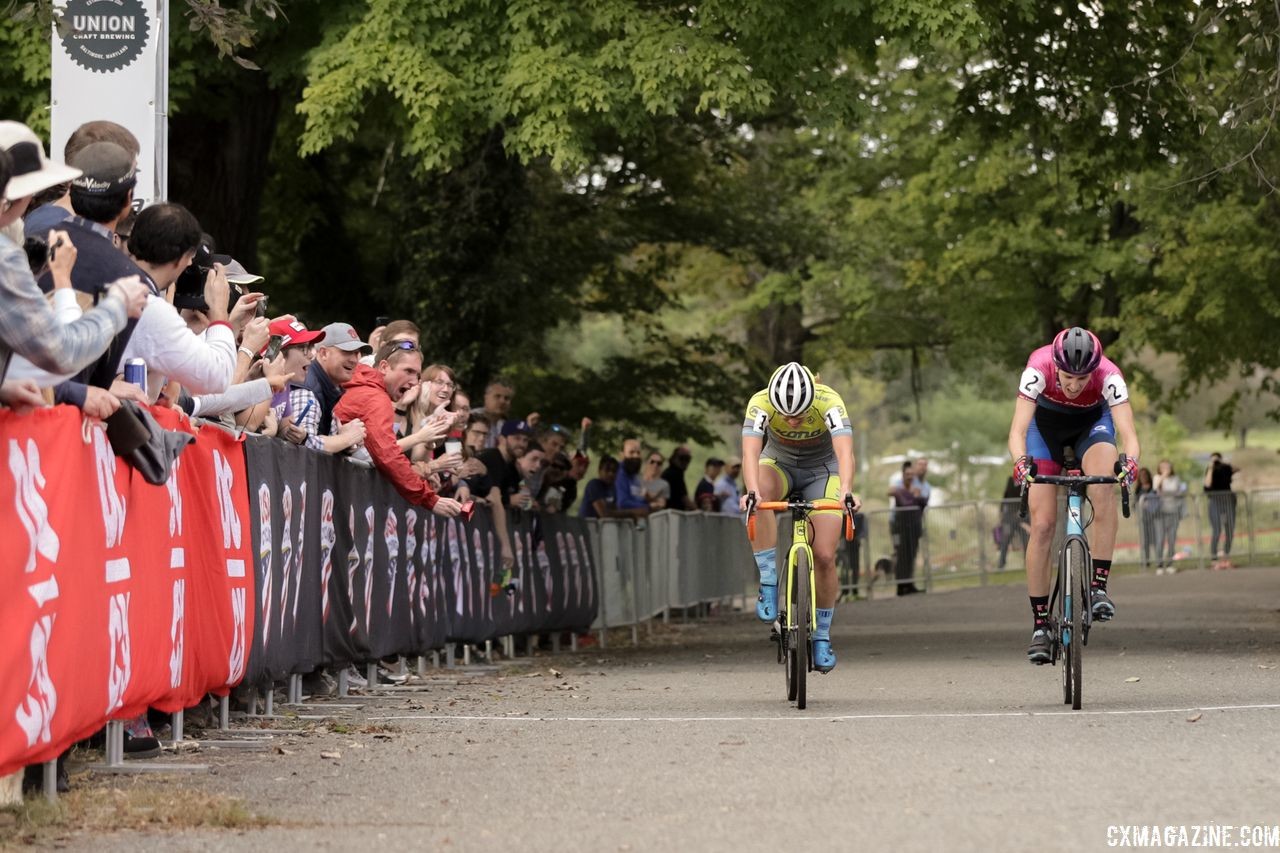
x=354, y=678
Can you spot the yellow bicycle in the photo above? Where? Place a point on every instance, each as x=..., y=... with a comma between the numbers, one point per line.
x=797, y=614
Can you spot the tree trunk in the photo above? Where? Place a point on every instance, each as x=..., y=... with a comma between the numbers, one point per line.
x=219, y=168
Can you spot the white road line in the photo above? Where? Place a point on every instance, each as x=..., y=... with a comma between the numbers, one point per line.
x=806, y=718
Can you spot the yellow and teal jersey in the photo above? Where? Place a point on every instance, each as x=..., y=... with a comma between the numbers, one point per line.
x=809, y=442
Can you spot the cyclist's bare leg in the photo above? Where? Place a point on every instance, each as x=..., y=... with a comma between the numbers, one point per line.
x=827, y=528
x=1042, y=501
x=766, y=523
x=1100, y=461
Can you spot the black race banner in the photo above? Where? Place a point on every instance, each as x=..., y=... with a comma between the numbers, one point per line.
x=349, y=572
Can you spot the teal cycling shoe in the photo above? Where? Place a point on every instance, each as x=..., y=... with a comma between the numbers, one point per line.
x=824, y=659
x=767, y=602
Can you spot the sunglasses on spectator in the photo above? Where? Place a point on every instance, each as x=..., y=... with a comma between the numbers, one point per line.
x=655, y=461
x=405, y=345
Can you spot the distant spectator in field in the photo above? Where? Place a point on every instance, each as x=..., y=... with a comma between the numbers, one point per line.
x=628, y=492
x=1222, y=508
x=1010, y=525
x=369, y=397
x=598, y=497
x=907, y=526
x=656, y=490
x=674, y=475
x=1171, y=492
x=1148, y=513
x=337, y=355
x=727, y=492
x=704, y=494
x=497, y=406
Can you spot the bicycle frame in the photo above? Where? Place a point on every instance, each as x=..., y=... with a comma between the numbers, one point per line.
x=800, y=510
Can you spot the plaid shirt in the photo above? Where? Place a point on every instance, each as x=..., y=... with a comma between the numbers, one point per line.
x=302, y=404
x=28, y=325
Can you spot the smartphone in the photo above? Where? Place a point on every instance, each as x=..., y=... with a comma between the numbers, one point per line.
x=262, y=309
x=273, y=347
x=452, y=445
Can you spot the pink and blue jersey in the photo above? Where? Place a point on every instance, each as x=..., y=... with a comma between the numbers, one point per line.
x=1039, y=384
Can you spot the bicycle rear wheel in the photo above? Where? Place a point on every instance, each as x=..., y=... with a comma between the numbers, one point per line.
x=804, y=613
x=1078, y=560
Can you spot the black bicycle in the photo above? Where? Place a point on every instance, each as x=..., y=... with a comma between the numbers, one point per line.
x=1069, y=626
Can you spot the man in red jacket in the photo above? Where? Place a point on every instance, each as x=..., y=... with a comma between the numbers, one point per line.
x=368, y=396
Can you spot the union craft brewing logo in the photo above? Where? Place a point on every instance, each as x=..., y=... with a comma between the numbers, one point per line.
x=104, y=35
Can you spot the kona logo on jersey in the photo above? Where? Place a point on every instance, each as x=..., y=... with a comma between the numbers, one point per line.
x=1099, y=428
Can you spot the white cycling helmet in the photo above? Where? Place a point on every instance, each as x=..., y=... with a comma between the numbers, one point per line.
x=791, y=389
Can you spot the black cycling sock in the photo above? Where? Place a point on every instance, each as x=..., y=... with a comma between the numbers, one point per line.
x=1101, y=571
x=1040, y=610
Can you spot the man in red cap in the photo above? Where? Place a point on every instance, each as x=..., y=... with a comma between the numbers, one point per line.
x=369, y=397
x=295, y=410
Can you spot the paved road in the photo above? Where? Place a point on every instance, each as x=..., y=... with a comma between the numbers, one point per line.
x=933, y=734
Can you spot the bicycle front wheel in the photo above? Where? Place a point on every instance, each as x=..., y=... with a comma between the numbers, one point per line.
x=1078, y=561
x=804, y=614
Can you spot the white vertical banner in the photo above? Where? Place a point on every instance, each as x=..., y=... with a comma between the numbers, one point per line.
x=111, y=61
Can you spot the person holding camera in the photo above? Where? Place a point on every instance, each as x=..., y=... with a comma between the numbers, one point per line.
x=163, y=244
x=28, y=326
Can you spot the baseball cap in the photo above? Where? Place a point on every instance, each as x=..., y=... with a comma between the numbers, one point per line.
x=32, y=171
x=293, y=332
x=105, y=168
x=236, y=273
x=342, y=336
x=732, y=461
x=516, y=428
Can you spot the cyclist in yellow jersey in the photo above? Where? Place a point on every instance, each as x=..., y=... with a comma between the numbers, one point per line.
x=797, y=438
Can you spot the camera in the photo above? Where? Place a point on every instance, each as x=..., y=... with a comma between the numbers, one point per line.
x=273, y=347
x=189, y=289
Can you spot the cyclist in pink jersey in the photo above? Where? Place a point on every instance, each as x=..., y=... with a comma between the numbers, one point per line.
x=1070, y=396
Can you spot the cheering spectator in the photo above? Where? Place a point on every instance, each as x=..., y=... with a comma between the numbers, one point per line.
x=337, y=356
x=295, y=409
x=704, y=494
x=529, y=469
x=628, y=492
x=477, y=485
x=674, y=475
x=369, y=398
x=598, y=497
x=27, y=324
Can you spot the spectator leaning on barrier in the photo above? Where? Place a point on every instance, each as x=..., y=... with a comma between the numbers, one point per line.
x=628, y=490
x=501, y=460
x=529, y=469
x=28, y=325
x=164, y=241
x=479, y=486
x=295, y=410
x=597, y=497
x=559, y=490
x=337, y=356
x=674, y=475
x=657, y=491
x=369, y=397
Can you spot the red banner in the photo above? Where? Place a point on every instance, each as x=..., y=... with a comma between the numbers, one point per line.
x=117, y=595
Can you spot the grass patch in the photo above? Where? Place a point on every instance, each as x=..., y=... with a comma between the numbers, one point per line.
x=98, y=805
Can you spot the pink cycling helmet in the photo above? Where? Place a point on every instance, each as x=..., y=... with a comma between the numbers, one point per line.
x=1077, y=351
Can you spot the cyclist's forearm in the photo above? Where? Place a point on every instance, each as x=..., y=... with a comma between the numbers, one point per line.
x=751, y=447
x=843, y=445
x=1122, y=416
x=1023, y=412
